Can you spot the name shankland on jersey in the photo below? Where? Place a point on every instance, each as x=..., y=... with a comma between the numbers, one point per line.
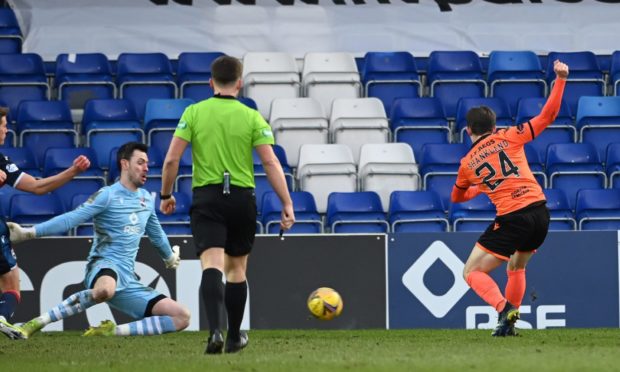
x=485, y=150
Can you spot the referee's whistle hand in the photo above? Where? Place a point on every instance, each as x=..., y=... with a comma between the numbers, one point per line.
x=287, y=218
x=168, y=206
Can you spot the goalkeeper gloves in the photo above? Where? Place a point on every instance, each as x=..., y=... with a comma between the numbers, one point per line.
x=19, y=233
x=174, y=260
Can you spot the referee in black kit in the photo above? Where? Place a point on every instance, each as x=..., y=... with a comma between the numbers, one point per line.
x=223, y=132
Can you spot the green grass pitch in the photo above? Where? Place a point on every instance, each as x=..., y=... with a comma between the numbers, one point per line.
x=297, y=350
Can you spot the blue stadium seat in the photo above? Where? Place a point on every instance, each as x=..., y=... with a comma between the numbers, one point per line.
x=86, y=228
x=417, y=121
x=598, y=121
x=614, y=73
x=82, y=77
x=514, y=75
x=163, y=115
x=307, y=219
x=6, y=193
x=142, y=76
x=562, y=130
x=78, y=185
x=439, y=165
x=391, y=75
x=22, y=77
x=562, y=217
x=108, y=124
x=45, y=124
x=612, y=164
x=194, y=73
x=176, y=223
x=10, y=34
x=260, y=177
x=536, y=165
x=24, y=159
x=356, y=212
x=473, y=215
x=417, y=211
x=503, y=116
x=585, y=79
x=30, y=209
x=453, y=75
x=598, y=209
x=572, y=167
x=57, y=159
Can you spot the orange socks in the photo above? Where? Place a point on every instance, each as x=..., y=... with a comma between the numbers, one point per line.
x=487, y=289
x=515, y=287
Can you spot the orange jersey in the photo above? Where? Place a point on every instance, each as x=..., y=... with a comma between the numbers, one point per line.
x=497, y=164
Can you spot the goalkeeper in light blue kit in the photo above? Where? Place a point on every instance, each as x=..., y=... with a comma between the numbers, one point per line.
x=121, y=213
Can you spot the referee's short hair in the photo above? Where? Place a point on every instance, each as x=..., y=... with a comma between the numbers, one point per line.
x=4, y=111
x=480, y=120
x=125, y=152
x=226, y=70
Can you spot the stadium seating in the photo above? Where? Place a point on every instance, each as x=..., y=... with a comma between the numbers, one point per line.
x=439, y=164
x=417, y=121
x=24, y=159
x=86, y=228
x=30, y=209
x=384, y=168
x=323, y=169
x=417, y=211
x=10, y=34
x=598, y=209
x=537, y=166
x=142, y=76
x=356, y=121
x=307, y=219
x=194, y=73
x=503, y=116
x=598, y=121
x=391, y=75
x=327, y=76
x=562, y=130
x=453, y=75
x=108, y=124
x=562, y=218
x=270, y=75
x=22, y=77
x=572, y=167
x=260, y=177
x=473, y=215
x=45, y=124
x=176, y=223
x=585, y=79
x=514, y=75
x=298, y=121
x=612, y=164
x=163, y=115
x=57, y=159
x=78, y=185
x=356, y=212
x=81, y=77
x=614, y=73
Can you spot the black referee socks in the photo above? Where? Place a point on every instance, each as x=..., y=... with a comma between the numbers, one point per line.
x=213, y=297
x=236, y=295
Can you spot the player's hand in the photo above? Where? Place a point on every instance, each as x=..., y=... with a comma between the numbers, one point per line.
x=81, y=163
x=287, y=218
x=168, y=206
x=560, y=69
x=174, y=260
x=19, y=234
x=2, y=177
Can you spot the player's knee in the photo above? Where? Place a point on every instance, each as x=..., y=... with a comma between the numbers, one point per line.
x=181, y=320
x=102, y=294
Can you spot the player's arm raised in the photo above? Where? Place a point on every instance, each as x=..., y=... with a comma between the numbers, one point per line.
x=41, y=186
x=552, y=107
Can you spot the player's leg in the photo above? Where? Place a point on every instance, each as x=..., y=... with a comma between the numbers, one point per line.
x=102, y=289
x=9, y=298
x=476, y=273
x=235, y=299
x=515, y=286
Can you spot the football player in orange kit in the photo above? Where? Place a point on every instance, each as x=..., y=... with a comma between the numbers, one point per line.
x=496, y=165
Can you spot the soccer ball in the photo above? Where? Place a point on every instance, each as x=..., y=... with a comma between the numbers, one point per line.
x=325, y=303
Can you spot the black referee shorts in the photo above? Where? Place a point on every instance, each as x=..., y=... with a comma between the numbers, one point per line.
x=524, y=230
x=224, y=221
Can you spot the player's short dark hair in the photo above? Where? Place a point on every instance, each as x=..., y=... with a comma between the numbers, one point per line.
x=480, y=120
x=4, y=111
x=125, y=151
x=226, y=70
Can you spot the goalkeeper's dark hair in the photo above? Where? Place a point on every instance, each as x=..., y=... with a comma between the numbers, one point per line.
x=125, y=151
x=226, y=70
x=480, y=120
x=4, y=111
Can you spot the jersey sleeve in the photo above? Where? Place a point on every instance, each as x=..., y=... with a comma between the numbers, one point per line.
x=262, y=134
x=521, y=133
x=66, y=221
x=157, y=236
x=184, y=127
x=462, y=182
x=13, y=173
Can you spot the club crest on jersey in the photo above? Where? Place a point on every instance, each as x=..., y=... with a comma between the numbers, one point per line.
x=520, y=129
x=142, y=203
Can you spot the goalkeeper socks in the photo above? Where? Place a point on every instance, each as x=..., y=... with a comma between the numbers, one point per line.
x=74, y=304
x=8, y=303
x=487, y=289
x=212, y=290
x=236, y=296
x=515, y=287
x=153, y=325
